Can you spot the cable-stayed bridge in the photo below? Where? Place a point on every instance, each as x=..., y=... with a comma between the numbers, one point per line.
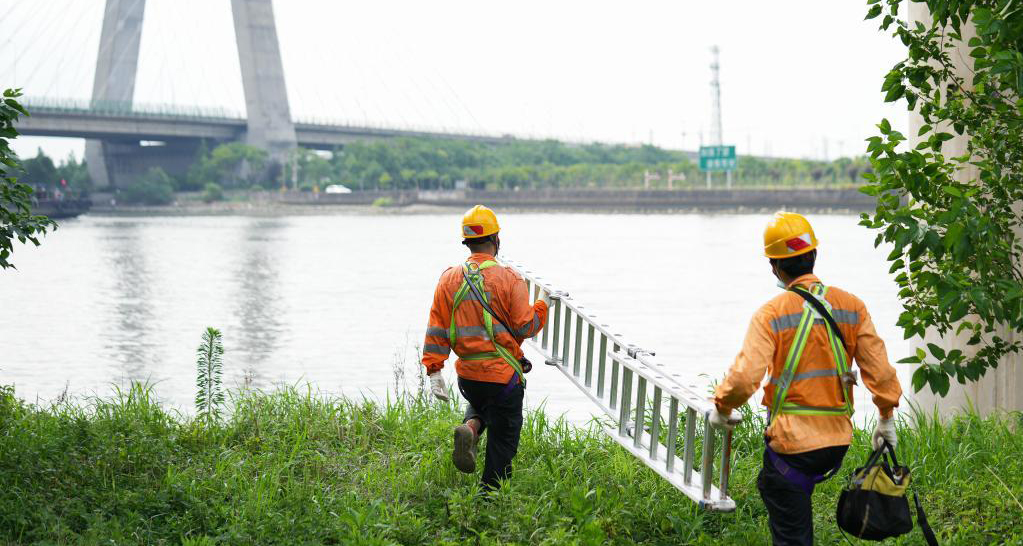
x=124, y=139
x=135, y=137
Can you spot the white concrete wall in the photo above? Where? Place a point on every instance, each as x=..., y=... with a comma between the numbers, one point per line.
x=1001, y=388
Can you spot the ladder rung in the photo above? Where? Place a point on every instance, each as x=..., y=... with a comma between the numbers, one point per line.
x=630, y=366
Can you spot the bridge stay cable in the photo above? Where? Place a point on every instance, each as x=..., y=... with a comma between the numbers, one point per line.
x=633, y=390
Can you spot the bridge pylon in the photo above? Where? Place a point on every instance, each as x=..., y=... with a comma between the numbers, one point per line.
x=115, y=162
x=116, y=65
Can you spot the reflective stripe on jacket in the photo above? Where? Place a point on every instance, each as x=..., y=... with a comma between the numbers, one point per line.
x=816, y=383
x=508, y=297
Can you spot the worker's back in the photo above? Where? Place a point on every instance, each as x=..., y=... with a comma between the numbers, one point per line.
x=507, y=296
x=816, y=381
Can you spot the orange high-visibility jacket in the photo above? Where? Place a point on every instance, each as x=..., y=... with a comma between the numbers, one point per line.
x=772, y=332
x=509, y=299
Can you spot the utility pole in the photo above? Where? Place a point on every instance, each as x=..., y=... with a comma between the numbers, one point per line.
x=716, y=138
x=672, y=177
x=650, y=177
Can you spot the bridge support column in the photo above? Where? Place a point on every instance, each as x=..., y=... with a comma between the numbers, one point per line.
x=266, y=98
x=114, y=81
x=1001, y=389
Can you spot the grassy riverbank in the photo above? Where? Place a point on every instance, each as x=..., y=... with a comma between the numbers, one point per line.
x=290, y=468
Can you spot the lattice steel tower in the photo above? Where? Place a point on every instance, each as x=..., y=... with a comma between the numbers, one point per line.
x=716, y=138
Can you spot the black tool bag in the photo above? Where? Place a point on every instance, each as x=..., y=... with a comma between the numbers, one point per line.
x=874, y=505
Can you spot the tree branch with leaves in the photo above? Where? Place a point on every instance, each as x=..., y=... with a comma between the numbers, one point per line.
x=954, y=220
x=17, y=223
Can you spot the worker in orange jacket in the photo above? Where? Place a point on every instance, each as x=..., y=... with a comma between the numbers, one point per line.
x=481, y=310
x=809, y=394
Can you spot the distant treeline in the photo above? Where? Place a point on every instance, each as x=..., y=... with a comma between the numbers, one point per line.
x=68, y=177
x=439, y=164
x=419, y=163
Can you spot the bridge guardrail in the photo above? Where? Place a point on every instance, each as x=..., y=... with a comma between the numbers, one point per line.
x=616, y=376
x=127, y=108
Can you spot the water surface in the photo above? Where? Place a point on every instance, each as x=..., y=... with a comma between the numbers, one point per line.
x=341, y=301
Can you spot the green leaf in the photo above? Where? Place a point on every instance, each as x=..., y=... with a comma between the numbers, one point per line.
x=939, y=383
x=952, y=190
x=937, y=351
x=874, y=11
x=919, y=378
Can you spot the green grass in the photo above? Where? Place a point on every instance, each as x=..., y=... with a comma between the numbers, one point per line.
x=291, y=467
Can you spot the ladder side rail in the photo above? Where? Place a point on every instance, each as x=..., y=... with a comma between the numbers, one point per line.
x=633, y=370
x=717, y=500
x=696, y=407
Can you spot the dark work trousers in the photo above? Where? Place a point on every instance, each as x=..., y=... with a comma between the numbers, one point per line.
x=501, y=414
x=789, y=509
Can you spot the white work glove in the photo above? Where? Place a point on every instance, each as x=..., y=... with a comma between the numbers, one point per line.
x=721, y=420
x=885, y=430
x=437, y=386
x=545, y=297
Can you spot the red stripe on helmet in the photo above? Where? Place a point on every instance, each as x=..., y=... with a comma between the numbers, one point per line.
x=796, y=243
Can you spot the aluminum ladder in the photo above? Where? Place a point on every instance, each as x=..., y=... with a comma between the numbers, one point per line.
x=618, y=377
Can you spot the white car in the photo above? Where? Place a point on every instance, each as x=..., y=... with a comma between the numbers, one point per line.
x=336, y=188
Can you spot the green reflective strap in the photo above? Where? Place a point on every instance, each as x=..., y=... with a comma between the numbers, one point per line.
x=488, y=321
x=841, y=359
x=806, y=323
x=481, y=356
x=513, y=362
x=459, y=296
x=796, y=409
x=792, y=361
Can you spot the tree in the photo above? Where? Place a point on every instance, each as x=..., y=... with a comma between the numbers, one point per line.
x=954, y=219
x=71, y=176
x=153, y=188
x=312, y=167
x=40, y=170
x=236, y=163
x=16, y=218
x=76, y=174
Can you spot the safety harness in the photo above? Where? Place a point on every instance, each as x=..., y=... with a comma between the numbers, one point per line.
x=473, y=288
x=817, y=307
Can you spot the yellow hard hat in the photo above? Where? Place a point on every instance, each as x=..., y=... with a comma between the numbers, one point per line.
x=788, y=234
x=479, y=221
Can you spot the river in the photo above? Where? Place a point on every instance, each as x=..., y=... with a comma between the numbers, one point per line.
x=339, y=302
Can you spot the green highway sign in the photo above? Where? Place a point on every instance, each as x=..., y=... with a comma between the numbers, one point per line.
x=717, y=158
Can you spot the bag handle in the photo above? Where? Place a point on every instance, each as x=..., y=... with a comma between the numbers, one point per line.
x=921, y=520
x=889, y=451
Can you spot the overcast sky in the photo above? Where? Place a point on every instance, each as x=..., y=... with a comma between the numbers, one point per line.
x=799, y=78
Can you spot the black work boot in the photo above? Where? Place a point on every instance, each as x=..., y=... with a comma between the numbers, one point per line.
x=464, y=455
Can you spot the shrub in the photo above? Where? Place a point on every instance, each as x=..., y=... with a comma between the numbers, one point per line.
x=212, y=192
x=383, y=202
x=209, y=363
x=153, y=188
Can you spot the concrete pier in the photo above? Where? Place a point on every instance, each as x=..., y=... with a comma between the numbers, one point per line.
x=114, y=81
x=266, y=98
x=1000, y=389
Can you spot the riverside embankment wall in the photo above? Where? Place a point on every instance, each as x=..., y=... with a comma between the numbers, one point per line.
x=607, y=199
